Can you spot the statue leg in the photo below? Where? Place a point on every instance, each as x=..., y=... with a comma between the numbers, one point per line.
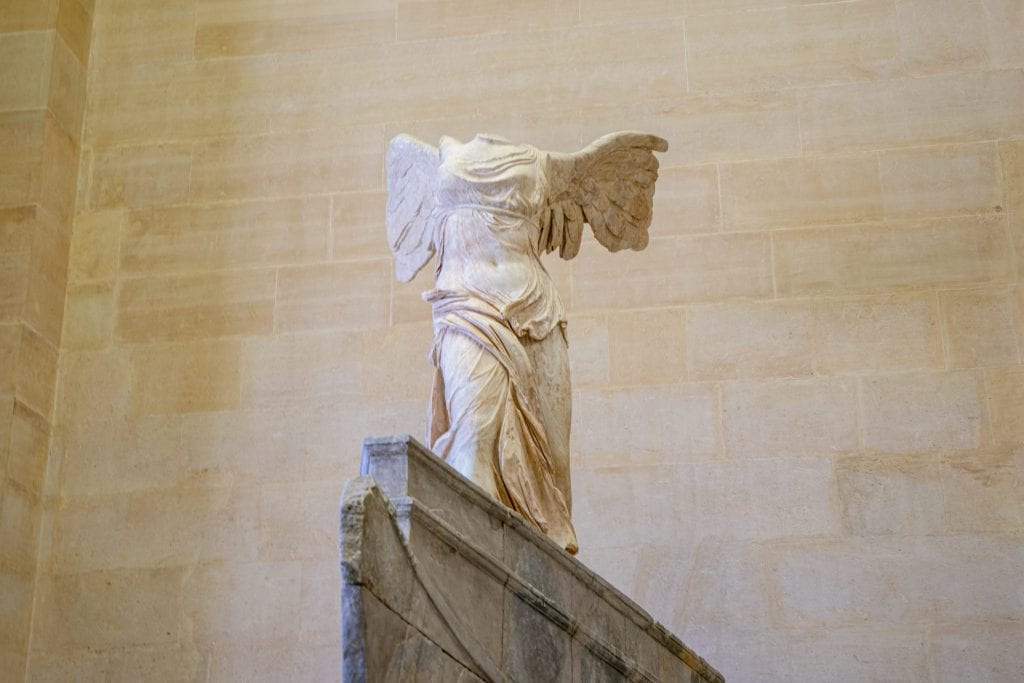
x=475, y=387
x=550, y=358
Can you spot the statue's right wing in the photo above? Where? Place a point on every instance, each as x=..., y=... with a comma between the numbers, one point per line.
x=411, y=167
x=609, y=185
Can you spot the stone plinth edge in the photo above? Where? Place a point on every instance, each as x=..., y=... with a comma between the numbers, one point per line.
x=436, y=573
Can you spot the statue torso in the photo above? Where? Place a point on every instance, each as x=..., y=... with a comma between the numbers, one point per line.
x=488, y=198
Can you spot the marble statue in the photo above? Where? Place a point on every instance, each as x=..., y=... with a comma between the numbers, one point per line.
x=486, y=210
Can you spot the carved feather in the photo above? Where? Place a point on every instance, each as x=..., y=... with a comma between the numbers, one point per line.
x=411, y=166
x=609, y=185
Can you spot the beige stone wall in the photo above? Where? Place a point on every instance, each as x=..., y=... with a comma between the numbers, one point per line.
x=44, y=47
x=798, y=414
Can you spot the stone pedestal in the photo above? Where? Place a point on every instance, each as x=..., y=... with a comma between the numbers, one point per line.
x=442, y=583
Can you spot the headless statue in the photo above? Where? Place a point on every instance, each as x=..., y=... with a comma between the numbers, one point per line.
x=487, y=210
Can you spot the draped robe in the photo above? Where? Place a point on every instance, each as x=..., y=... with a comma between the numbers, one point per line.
x=500, y=406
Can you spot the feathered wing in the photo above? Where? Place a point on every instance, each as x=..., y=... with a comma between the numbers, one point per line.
x=609, y=185
x=411, y=167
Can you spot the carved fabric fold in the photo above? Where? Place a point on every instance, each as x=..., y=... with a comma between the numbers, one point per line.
x=491, y=418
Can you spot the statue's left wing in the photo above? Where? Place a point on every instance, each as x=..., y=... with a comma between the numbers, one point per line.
x=411, y=167
x=609, y=185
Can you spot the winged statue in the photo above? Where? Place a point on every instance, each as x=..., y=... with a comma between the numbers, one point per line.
x=485, y=211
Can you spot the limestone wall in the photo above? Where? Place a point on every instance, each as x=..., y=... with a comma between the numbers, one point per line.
x=798, y=414
x=44, y=49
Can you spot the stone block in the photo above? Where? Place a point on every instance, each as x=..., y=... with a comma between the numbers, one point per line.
x=156, y=527
x=21, y=144
x=892, y=256
x=879, y=334
x=819, y=44
x=923, y=412
x=116, y=455
x=257, y=447
x=26, y=58
x=243, y=604
x=750, y=340
x=992, y=560
x=528, y=612
x=646, y=347
x=407, y=304
x=707, y=128
x=1011, y=156
x=521, y=659
x=404, y=468
x=36, y=376
x=320, y=600
x=28, y=15
x=639, y=494
x=146, y=31
x=974, y=105
x=74, y=25
x=943, y=36
x=196, y=307
x=599, y=612
x=294, y=522
x=165, y=97
x=10, y=340
x=433, y=19
x=355, y=223
x=140, y=176
x=95, y=244
x=779, y=418
x=757, y=653
x=46, y=279
x=66, y=97
x=589, y=360
x=541, y=569
x=280, y=661
x=588, y=667
x=259, y=233
x=828, y=584
x=825, y=584
x=605, y=11
x=323, y=296
x=108, y=609
x=59, y=174
x=400, y=652
x=1005, y=388
x=1004, y=20
x=172, y=663
x=941, y=181
x=734, y=499
x=287, y=164
x=797, y=192
x=311, y=369
x=646, y=425
x=718, y=267
x=54, y=666
x=898, y=652
x=981, y=328
x=962, y=652
x=194, y=377
x=14, y=280
x=687, y=201
x=19, y=529
x=982, y=497
x=89, y=316
x=395, y=363
x=95, y=385
x=891, y=495
x=29, y=440
x=233, y=29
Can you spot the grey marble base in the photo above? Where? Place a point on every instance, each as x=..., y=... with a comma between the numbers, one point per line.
x=442, y=583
